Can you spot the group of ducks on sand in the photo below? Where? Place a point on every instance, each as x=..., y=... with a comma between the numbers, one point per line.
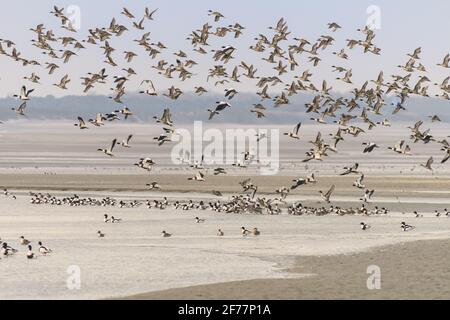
x=245, y=232
x=220, y=233
x=403, y=226
x=6, y=250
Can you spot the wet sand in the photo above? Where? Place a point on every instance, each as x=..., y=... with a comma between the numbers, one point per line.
x=432, y=186
x=415, y=270
x=290, y=247
x=400, y=193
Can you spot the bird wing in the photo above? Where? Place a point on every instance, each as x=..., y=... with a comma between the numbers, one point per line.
x=22, y=107
x=297, y=127
x=446, y=158
x=113, y=144
x=329, y=192
x=82, y=123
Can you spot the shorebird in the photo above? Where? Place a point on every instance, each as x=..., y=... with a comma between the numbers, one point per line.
x=24, y=241
x=212, y=113
x=166, y=118
x=446, y=61
x=230, y=93
x=153, y=185
x=352, y=169
x=30, y=254
x=358, y=183
x=126, y=143
x=218, y=171
x=109, y=152
x=34, y=78
x=406, y=227
x=333, y=26
x=369, y=146
x=149, y=14
x=151, y=91
x=326, y=196
x=245, y=232
x=259, y=113
x=6, y=250
x=198, y=177
x=21, y=109
x=294, y=133
x=81, y=124
x=125, y=111
x=428, y=164
x=100, y=234
x=367, y=195
x=220, y=233
x=311, y=178
x=164, y=234
x=127, y=13
x=364, y=226
x=401, y=148
x=220, y=105
x=200, y=90
x=63, y=82
x=217, y=15
x=198, y=220
x=24, y=94
x=114, y=220
x=145, y=163
x=435, y=118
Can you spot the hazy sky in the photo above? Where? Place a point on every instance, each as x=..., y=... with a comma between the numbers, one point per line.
x=405, y=25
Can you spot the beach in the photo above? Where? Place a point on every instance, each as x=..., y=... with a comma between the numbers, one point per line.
x=134, y=259
x=262, y=151
x=415, y=270
x=295, y=257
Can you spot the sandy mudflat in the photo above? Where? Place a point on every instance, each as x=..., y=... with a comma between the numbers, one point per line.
x=397, y=193
x=415, y=270
x=133, y=258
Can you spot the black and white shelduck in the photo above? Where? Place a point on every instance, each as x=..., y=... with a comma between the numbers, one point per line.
x=153, y=185
x=164, y=234
x=7, y=250
x=364, y=226
x=245, y=232
x=100, y=234
x=30, y=254
x=220, y=233
x=198, y=220
x=114, y=220
x=406, y=227
x=43, y=250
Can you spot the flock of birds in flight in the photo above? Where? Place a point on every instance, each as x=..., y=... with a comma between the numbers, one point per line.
x=281, y=54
